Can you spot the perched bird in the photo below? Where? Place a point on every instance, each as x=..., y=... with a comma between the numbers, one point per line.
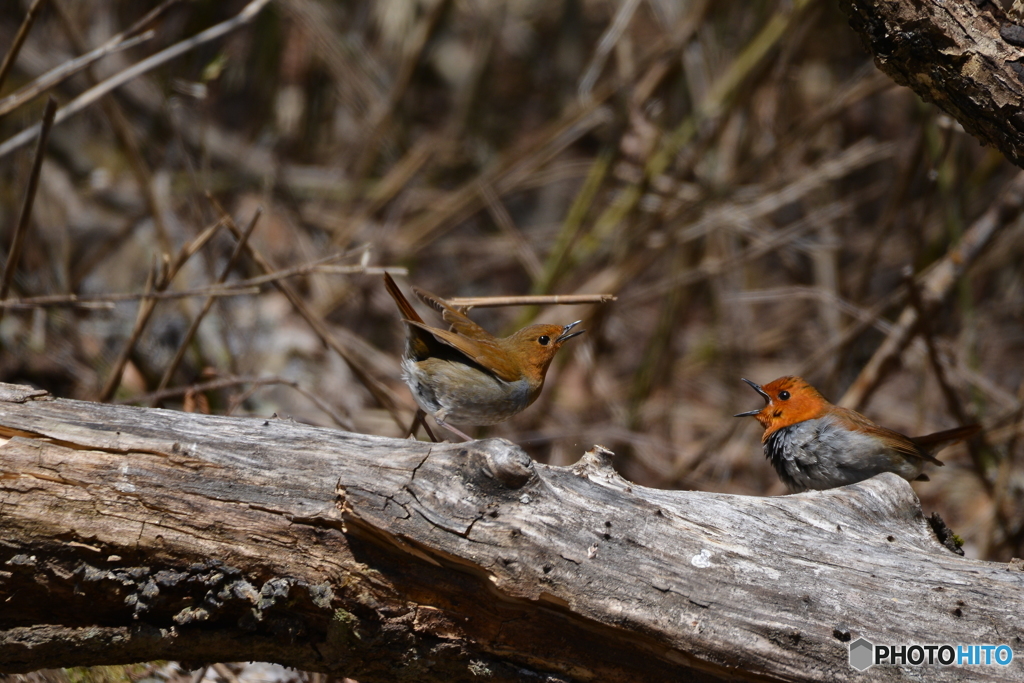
x=813, y=444
x=468, y=375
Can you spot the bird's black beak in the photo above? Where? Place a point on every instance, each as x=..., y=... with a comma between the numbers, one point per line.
x=566, y=334
x=758, y=389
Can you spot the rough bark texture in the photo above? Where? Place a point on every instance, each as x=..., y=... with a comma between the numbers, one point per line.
x=965, y=56
x=136, y=534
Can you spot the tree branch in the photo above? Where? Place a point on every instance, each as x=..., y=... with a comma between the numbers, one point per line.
x=135, y=534
x=964, y=56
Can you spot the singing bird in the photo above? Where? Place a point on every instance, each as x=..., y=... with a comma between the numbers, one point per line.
x=813, y=444
x=468, y=375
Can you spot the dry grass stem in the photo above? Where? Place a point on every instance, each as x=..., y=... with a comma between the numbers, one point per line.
x=92, y=95
x=18, y=239
x=530, y=300
x=19, y=39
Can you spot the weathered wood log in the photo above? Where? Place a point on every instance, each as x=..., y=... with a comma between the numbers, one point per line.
x=966, y=57
x=134, y=534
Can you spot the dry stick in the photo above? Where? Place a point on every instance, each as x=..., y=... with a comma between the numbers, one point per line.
x=240, y=288
x=509, y=173
x=954, y=405
x=379, y=392
x=924, y=328
x=19, y=40
x=936, y=284
x=105, y=301
x=194, y=327
x=381, y=114
x=126, y=138
x=18, y=240
x=225, y=382
x=247, y=14
x=64, y=71
x=710, y=109
x=530, y=300
x=527, y=256
x=225, y=673
x=1003, y=480
x=148, y=305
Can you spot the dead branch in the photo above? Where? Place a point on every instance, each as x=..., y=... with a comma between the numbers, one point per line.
x=963, y=56
x=137, y=534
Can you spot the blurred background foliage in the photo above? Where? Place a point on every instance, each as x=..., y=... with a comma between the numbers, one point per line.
x=738, y=174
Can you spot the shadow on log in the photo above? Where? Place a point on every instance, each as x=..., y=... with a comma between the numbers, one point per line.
x=137, y=534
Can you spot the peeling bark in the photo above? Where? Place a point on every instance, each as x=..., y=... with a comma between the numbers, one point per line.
x=133, y=534
x=967, y=57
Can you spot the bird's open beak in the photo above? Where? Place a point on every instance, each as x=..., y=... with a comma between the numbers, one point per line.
x=569, y=335
x=758, y=389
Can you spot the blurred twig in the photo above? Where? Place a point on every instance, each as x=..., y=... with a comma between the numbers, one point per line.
x=935, y=285
x=508, y=173
x=226, y=382
x=530, y=300
x=159, y=281
x=378, y=390
x=18, y=239
x=724, y=90
x=208, y=304
x=382, y=113
x=19, y=40
x=68, y=69
x=953, y=403
x=604, y=46
x=977, y=445
x=108, y=300
x=524, y=251
x=121, y=126
x=247, y=14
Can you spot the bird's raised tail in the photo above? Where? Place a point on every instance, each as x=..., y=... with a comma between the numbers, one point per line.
x=408, y=312
x=933, y=443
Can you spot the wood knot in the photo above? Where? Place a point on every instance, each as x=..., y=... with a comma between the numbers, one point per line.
x=597, y=459
x=507, y=463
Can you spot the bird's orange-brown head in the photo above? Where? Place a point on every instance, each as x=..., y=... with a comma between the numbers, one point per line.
x=533, y=347
x=788, y=400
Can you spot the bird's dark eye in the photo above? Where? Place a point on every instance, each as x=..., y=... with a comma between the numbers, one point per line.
x=544, y=339
x=783, y=395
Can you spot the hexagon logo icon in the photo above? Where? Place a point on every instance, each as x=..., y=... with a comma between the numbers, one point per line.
x=862, y=652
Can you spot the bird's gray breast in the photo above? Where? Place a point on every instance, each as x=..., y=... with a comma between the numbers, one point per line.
x=823, y=453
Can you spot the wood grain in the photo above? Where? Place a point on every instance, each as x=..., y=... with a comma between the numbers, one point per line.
x=134, y=534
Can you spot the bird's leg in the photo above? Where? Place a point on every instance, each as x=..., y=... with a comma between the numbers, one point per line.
x=439, y=419
x=420, y=419
x=411, y=431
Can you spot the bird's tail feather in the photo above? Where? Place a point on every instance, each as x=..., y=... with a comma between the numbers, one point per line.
x=933, y=443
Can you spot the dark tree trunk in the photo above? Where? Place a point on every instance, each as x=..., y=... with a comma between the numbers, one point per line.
x=966, y=57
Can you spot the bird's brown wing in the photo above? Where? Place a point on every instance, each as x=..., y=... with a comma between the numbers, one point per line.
x=458, y=320
x=484, y=352
x=893, y=439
